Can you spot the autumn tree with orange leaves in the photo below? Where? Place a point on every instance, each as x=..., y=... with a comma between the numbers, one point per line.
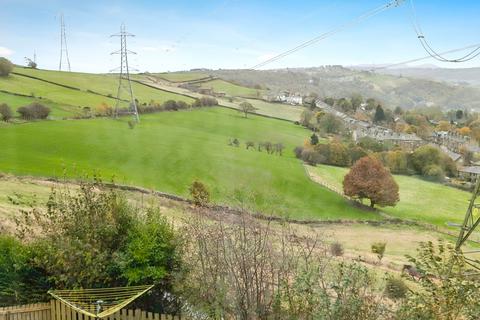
x=369, y=179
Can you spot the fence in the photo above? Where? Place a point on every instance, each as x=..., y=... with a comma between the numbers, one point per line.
x=55, y=310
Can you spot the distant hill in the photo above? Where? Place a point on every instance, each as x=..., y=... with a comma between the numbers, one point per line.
x=338, y=81
x=460, y=76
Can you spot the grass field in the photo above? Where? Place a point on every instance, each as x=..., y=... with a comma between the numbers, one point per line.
x=18, y=194
x=100, y=83
x=167, y=151
x=181, y=76
x=419, y=200
x=58, y=94
x=231, y=89
x=58, y=110
x=278, y=110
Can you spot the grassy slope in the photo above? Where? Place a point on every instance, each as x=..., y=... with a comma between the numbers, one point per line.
x=58, y=110
x=181, y=76
x=23, y=85
x=168, y=150
x=419, y=199
x=278, y=110
x=230, y=88
x=104, y=84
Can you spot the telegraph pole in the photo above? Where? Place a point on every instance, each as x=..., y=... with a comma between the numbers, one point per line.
x=124, y=83
x=63, y=44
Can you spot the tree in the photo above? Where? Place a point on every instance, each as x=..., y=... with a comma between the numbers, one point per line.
x=378, y=248
x=5, y=67
x=329, y=101
x=368, y=178
x=379, y=115
x=345, y=105
x=331, y=124
x=246, y=108
x=356, y=101
x=459, y=114
x=398, y=111
x=199, y=193
x=465, y=131
x=444, y=126
x=5, y=112
x=314, y=139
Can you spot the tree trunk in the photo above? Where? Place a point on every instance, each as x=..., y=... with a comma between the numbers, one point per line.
x=372, y=203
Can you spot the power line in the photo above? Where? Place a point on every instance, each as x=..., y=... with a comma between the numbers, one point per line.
x=361, y=18
x=428, y=48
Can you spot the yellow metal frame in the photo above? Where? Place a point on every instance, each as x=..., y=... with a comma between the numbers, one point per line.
x=107, y=312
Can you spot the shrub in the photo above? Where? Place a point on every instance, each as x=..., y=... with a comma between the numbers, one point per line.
x=434, y=172
x=378, y=248
x=311, y=157
x=336, y=249
x=170, y=105
x=205, y=102
x=5, y=112
x=199, y=193
x=395, y=288
x=298, y=152
x=5, y=67
x=34, y=111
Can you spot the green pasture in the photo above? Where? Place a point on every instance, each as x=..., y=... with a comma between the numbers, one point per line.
x=419, y=199
x=168, y=150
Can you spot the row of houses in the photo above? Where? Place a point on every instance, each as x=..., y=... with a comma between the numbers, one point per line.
x=362, y=129
x=451, y=143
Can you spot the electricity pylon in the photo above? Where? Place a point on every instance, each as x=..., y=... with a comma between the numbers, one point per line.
x=124, y=83
x=63, y=44
x=470, y=223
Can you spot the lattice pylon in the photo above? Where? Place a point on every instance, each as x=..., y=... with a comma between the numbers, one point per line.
x=99, y=302
x=124, y=83
x=470, y=223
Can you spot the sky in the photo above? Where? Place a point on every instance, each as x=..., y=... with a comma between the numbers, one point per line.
x=176, y=35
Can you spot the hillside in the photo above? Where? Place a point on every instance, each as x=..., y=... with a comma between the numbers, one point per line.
x=459, y=76
x=336, y=81
x=167, y=151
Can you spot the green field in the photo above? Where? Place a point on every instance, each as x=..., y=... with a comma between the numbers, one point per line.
x=100, y=83
x=58, y=110
x=181, y=76
x=419, y=199
x=231, y=89
x=278, y=110
x=167, y=151
x=58, y=94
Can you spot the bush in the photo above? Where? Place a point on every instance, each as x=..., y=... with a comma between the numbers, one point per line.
x=378, y=248
x=434, y=172
x=395, y=288
x=34, y=111
x=199, y=193
x=205, y=102
x=5, y=112
x=5, y=67
x=336, y=249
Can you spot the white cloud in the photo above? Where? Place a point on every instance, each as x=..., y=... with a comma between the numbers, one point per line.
x=5, y=52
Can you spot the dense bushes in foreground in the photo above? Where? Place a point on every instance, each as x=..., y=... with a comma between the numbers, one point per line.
x=244, y=269
x=85, y=239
